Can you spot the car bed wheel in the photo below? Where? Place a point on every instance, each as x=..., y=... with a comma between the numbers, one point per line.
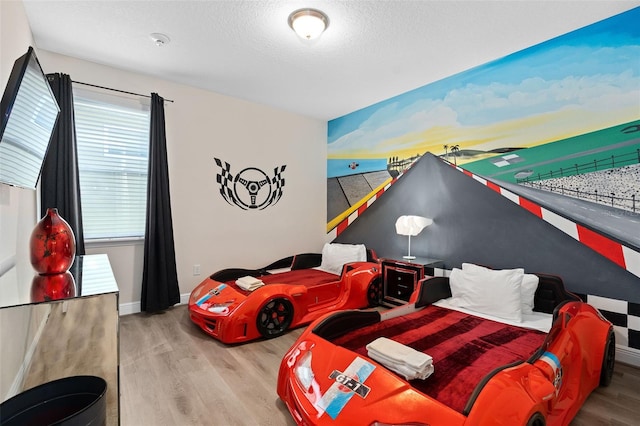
x=275, y=317
x=608, y=361
x=374, y=292
x=537, y=420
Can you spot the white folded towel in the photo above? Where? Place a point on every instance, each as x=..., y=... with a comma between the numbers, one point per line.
x=399, y=353
x=400, y=358
x=249, y=283
x=407, y=372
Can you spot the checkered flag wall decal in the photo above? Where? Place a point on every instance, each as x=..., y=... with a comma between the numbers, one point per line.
x=251, y=188
x=224, y=178
x=278, y=182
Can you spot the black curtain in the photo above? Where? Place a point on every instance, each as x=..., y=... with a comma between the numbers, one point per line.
x=59, y=181
x=159, y=275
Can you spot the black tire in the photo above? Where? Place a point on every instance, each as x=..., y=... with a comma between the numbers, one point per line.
x=608, y=360
x=536, y=420
x=374, y=292
x=274, y=318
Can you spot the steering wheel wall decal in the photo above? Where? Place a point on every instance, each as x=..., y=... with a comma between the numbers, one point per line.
x=251, y=188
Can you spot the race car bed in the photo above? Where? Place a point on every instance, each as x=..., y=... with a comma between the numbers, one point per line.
x=534, y=368
x=236, y=305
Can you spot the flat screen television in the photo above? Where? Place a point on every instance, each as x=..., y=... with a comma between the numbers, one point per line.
x=28, y=114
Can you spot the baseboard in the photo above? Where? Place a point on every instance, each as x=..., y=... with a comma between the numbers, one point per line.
x=134, y=307
x=129, y=308
x=628, y=355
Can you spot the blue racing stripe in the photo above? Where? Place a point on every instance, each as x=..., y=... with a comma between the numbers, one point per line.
x=340, y=399
x=210, y=293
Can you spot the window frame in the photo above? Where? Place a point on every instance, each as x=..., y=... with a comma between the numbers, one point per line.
x=139, y=107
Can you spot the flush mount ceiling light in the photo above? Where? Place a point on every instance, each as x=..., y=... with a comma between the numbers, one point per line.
x=159, y=39
x=308, y=23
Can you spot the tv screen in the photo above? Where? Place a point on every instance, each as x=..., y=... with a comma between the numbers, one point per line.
x=29, y=112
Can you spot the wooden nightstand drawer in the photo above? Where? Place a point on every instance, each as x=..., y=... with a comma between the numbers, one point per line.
x=400, y=282
x=400, y=278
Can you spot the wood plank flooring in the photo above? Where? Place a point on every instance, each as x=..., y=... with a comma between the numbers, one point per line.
x=173, y=374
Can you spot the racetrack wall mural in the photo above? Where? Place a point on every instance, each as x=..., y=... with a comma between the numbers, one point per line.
x=562, y=109
x=555, y=127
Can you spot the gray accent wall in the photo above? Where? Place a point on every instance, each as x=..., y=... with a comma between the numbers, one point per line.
x=473, y=223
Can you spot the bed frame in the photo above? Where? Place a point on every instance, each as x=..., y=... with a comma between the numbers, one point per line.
x=549, y=297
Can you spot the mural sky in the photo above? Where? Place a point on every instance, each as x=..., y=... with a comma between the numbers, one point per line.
x=582, y=81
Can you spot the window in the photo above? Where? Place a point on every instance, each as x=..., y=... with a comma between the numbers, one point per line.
x=113, y=150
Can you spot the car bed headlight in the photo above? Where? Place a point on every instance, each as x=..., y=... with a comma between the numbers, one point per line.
x=220, y=308
x=195, y=293
x=303, y=371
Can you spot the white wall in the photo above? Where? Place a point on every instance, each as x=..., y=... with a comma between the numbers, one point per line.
x=17, y=217
x=208, y=231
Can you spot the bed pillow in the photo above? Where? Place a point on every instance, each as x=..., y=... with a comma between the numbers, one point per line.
x=335, y=255
x=528, y=286
x=528, y=292
x=487, y=291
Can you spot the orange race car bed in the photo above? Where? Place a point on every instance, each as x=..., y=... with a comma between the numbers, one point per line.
x=237, y=305
x=476, y=369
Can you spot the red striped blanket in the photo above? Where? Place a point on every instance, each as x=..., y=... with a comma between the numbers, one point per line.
x=464, y=348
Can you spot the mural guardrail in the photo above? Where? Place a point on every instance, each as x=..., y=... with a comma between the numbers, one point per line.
x=607, y=197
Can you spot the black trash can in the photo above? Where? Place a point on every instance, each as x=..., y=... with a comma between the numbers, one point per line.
x=71, y=401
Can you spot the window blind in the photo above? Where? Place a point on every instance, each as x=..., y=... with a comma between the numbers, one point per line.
x=113, y=152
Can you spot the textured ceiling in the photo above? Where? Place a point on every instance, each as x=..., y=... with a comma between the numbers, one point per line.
x=372, y=50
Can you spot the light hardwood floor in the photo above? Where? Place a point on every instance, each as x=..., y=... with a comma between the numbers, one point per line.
x=172, y=374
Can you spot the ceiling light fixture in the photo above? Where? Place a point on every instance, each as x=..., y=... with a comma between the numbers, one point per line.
x=308, y=23
x=159, y=39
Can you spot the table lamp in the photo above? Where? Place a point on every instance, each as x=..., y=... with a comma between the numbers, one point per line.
x=411, y=226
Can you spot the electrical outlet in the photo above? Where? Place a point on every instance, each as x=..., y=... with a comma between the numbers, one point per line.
x=196, y=270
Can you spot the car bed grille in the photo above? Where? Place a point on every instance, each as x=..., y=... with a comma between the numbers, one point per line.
x=210, y=324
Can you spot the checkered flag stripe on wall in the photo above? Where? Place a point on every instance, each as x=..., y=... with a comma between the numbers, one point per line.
x=224, y=178
x=278, y=182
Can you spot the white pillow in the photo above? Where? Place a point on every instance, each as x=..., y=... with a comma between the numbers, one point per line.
x=528, y=286
x=528, y=292
x=487, y=291
x=335, y=255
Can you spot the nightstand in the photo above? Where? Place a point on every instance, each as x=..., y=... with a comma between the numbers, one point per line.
x=400, y=278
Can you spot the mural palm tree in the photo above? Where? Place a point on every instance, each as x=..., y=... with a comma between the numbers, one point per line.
x=454, y=151
x=446, y=153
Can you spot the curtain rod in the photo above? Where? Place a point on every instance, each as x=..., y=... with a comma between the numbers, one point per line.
x=116, y=90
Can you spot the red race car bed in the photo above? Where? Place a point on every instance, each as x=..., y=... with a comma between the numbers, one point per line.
x=482, y=369
x=237, y=305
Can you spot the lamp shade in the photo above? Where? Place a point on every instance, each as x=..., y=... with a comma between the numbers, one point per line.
x=411, y=225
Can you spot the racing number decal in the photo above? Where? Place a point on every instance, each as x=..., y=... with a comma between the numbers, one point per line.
x=344, y=387
x=350, y=383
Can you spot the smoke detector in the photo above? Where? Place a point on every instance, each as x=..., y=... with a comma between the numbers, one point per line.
x=159, y=39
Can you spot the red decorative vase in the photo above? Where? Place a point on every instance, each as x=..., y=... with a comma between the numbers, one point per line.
x=52, y=245
x=45, y=288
